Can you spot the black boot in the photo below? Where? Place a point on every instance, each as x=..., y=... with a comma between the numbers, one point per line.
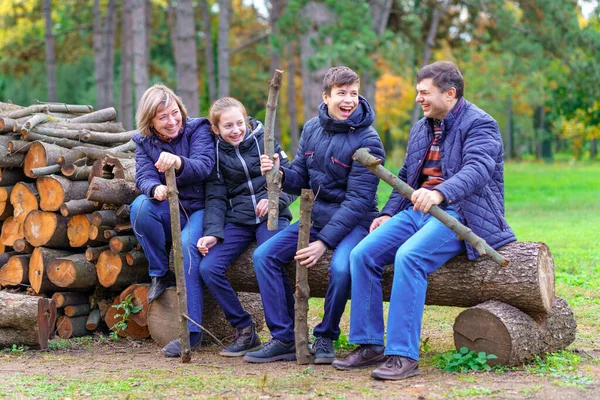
x=158, y=286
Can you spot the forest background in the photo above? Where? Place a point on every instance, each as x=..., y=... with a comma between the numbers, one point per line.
x=532, y=64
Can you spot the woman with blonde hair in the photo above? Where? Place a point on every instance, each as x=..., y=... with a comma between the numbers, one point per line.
x=168, y=137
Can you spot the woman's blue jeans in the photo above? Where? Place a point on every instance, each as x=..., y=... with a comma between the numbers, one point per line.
x=151, y=221
x=275, y=290
x=417, y=244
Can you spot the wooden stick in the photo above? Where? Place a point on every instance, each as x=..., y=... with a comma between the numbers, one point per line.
x=184, y=331
x=273, y=177
x=302, y=293
x=464, y=233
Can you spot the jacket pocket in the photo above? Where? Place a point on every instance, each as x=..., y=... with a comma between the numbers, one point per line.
x=489, y=198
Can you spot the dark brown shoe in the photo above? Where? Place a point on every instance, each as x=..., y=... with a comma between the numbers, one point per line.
x=361, y=357
x=396, y=368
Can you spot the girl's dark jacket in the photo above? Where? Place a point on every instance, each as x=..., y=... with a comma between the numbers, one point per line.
x=345, y=190
x=196, y=149
x=472, y=167
x=236, y=184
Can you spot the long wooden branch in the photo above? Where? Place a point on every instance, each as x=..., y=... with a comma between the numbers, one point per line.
x=50, y=107
x=273, y=177
x=464, y=233
x=184, y=332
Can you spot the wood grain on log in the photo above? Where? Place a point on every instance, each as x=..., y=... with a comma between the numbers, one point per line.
x=139, y=297
x=78, y=230
x=54, y=190
x=38, y=264
x=302, y=292
x=113, y=270
x=33, y=317
x=133, y=330
x=73, y=272
x=93, y=320
x=16, y=271
x=78, y=310
x=23, y=246
x=72, y=327
x=43, y=228
x=513, y=336
x=75, y=207
x=112, y=191
x=24, y=198
x=93, y=253
x=41, y=155
x=11, y=231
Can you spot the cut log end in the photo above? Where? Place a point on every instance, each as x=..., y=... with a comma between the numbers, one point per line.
x=40, y=227
x=51, y=193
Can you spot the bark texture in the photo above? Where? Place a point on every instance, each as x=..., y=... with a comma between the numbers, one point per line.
x=26, y=320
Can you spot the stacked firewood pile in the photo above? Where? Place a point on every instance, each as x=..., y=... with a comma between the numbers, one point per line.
x=67, y=178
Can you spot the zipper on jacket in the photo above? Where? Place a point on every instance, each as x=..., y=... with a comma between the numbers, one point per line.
x=250, y=186
x=421, y=163
x=336, y=161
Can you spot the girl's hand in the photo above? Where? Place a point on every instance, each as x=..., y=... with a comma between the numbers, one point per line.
x=262, y=208
x=205, y=243
x=266, y=164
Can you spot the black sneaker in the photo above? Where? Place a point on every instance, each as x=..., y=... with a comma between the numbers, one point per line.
x=323, y=351
x=245, y=341
x=173, y=349
x=273, y=350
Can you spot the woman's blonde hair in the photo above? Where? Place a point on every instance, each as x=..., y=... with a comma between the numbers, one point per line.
x=154, y=99
x=223, y=104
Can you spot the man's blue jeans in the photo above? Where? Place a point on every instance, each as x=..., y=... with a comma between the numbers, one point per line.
x=275, y=290
x=417, y=244
x=215, y=264
x=151, y=223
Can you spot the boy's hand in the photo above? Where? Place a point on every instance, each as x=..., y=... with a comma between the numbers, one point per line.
x=262, y=208
x=266, y=164
x=377, y=222
x=423, y=199
x=205, y=243
x=311, y=254
x=160, y=193
x=166, y=160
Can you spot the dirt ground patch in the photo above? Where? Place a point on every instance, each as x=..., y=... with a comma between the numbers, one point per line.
x=129, y=369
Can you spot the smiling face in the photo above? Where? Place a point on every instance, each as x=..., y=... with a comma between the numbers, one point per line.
x=167, y=120
x=435, y=103
x=231, y=126
x=342, y=101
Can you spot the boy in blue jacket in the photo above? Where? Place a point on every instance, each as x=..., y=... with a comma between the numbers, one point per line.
x=345, y=204
x=454, y=160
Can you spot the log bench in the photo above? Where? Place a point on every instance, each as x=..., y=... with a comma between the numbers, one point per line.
x=513, y=312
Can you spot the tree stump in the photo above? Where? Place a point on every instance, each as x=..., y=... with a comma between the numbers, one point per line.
x=163, y=317
x=513, y=336
x=26, y=320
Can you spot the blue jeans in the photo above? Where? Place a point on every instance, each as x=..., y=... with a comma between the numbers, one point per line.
x=417, y=244
x=151, y=223
x=275, y=290
x=215, y=264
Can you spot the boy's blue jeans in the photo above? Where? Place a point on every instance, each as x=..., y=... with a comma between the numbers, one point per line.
x=275, y=290
x=215, y=264
x=151, y=222
x=417, y=244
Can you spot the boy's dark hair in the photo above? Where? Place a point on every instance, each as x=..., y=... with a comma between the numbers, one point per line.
x=339, y=76
x=445, y=75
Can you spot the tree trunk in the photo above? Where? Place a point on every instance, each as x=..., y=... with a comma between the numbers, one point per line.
x=126, y=106
x=312, y=80
x=72, y=327
x=528, y=283
x=140, y=48
x=513, y=336
x=208, y=52
x=163, y=316
x=223, y=46
x=55, y=190
x=38, y=265
x=104, y=52
x=112, y=191
x=113, y=271
x=291, y=100
x=16, y=270
x=26, y=320
x=78, y=310
x=186, y=62
x=122, y=244
x=75, y=207
x=133, y=330
x=42, y=228
x=63, y=299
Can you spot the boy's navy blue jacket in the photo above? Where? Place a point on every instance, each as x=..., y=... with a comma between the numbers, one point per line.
x=196, y=149
x=236, y=184
x=472, y=167
x=345, y=190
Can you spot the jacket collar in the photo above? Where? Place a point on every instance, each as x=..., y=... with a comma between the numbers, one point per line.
x=453, y=115
x=362, y=117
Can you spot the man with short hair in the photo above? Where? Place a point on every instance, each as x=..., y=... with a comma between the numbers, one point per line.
x=454, y=161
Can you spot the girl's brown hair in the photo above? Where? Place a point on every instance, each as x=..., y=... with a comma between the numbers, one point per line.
x=223, y=104
x=154, y=99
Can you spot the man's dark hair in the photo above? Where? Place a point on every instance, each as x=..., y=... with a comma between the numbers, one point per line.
x=445, y=75
x=339, y=76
